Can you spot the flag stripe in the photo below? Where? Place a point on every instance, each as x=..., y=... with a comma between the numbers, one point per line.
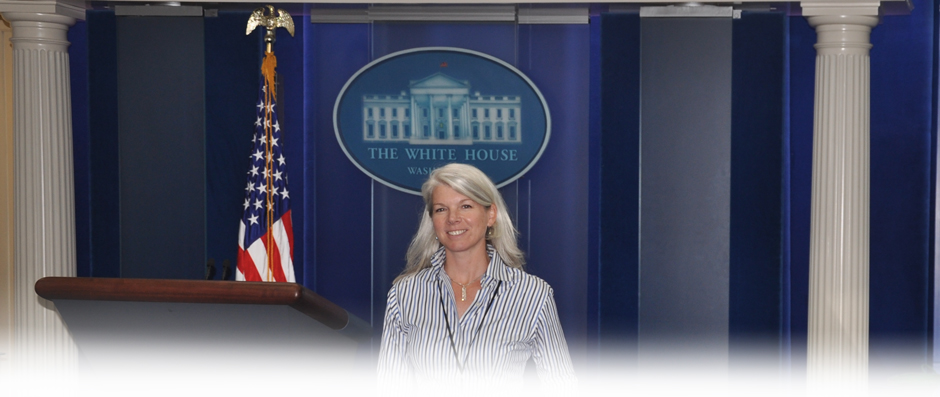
x=283, y=238
x=246, y=268
x=289, y=229
x=277, y=270
x=259, y=258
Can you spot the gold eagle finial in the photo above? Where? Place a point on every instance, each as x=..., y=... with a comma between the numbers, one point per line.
x=270, y=22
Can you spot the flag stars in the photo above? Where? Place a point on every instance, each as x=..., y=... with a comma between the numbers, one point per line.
x=267, y=177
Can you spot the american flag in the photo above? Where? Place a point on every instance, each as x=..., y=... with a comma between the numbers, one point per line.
x=266, y=235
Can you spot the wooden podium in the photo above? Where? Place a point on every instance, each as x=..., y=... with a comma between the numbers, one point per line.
x=187, y=325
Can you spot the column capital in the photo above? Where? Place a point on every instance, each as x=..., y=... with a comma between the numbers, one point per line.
x=842, y=32
x=73, y=9
x=39, y=29
x=868, y=21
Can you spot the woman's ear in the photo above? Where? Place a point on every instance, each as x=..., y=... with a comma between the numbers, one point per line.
x=491, y=215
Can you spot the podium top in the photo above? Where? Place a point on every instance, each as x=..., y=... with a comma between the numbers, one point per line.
x=195, y=291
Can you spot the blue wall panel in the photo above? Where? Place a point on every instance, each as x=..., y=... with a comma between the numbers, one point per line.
x=233, y=69
x=619, y=201
x=902, y=139
x=594, y=191
x=81, y=145
x=555, y=57
x=161, y=137
x=757, y=136
x=802, y=71
x=341, y=192
x=103, y=136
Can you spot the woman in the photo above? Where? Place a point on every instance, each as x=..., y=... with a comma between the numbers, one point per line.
x=463, y=309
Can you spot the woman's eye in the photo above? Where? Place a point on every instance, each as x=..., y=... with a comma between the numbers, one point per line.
x=466, y=206
x=438, y=210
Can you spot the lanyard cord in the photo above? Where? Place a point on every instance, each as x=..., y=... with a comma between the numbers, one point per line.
x=450, y=333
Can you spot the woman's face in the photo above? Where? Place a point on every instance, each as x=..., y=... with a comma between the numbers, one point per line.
x=459, y=222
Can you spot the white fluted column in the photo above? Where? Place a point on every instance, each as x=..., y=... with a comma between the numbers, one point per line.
x=44, y=191
x=839, y=247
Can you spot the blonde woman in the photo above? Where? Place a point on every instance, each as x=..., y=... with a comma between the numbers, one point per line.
x=463, y=309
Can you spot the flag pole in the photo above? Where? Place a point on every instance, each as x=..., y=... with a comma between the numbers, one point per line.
x=270, y=22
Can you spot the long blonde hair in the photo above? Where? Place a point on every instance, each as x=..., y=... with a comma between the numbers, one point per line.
x=473, y=183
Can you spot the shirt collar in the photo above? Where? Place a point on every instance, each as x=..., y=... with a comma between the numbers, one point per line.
x=497, y=269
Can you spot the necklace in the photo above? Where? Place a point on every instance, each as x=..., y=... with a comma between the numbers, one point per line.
x=463, y=288
x=450, y=333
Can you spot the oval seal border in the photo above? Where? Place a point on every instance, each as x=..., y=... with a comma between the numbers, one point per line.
x=384, y=179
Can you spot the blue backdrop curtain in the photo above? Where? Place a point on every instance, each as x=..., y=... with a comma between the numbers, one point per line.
x=364, y=227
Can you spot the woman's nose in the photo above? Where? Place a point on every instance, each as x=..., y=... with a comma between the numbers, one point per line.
x=452, y=217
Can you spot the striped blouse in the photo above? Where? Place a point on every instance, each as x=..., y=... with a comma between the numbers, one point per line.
x=512, y=318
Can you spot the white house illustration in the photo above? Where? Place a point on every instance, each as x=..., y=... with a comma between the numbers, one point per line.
x=439, y=109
